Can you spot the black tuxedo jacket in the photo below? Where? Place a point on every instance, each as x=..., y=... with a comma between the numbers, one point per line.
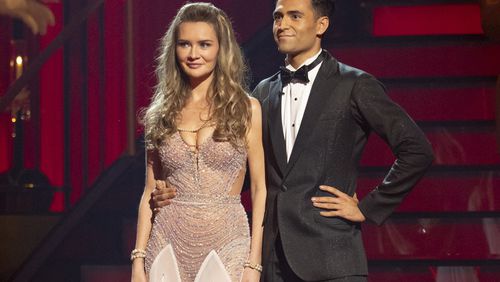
x=344, y=106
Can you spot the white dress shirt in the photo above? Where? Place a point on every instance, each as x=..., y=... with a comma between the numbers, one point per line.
x=293, y=103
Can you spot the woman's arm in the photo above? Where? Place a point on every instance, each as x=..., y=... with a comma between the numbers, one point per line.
x=144, y=218
x=257, y=183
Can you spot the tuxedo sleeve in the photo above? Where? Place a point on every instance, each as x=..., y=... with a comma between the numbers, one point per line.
x=375, y=111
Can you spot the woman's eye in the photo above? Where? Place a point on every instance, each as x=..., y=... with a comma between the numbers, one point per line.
x=204, y=45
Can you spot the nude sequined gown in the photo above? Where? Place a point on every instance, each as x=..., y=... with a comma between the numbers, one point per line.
x=203, y=216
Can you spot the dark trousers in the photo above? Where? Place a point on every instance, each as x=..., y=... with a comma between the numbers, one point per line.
x=278, y=270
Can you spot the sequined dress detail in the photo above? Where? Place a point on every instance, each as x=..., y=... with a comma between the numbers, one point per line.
x=203, y=217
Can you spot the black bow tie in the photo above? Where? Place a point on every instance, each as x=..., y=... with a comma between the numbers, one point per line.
x=300, y=74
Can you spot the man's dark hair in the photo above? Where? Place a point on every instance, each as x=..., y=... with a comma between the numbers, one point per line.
x=323, y=8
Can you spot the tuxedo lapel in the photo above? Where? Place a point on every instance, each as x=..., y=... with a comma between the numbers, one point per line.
x=275, y=125
x=322, y=89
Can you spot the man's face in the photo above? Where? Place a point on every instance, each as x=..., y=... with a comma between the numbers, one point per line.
x=296, y=27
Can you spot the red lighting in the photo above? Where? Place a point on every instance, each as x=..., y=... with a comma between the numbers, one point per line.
x=427, y=20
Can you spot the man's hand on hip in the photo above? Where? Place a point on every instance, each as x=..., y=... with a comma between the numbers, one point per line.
x=340, y=205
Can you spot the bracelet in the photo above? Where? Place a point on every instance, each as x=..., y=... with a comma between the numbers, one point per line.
x=137, y=253
x=255, y=266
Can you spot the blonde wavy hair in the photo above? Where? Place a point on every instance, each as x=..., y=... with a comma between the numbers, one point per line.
x=230, y=108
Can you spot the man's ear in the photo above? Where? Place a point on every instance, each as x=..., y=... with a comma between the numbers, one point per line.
x=322, y=25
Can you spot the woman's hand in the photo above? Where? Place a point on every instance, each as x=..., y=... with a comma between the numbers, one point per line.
x=138, y=272
x=250, y=275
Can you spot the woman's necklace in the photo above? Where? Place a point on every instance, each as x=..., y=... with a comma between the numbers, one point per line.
x=194, y=130
x=196, y=145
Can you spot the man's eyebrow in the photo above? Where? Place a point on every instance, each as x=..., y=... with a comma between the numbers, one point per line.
x=294, y=12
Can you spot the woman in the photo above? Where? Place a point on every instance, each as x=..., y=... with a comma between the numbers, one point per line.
x=201, y=129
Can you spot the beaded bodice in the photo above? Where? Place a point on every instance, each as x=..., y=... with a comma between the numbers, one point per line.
x=209, y=170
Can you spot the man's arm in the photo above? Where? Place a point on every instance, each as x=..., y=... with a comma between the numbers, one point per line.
x=375, y=110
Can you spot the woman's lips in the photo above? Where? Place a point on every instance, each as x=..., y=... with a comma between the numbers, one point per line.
x=193, y=66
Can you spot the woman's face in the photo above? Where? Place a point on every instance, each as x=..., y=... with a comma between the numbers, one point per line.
x=196, y=49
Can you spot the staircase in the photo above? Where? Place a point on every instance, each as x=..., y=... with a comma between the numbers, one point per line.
x=92, y=241
x=448, y=229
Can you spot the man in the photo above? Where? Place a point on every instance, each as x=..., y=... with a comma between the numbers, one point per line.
x=316, y=122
